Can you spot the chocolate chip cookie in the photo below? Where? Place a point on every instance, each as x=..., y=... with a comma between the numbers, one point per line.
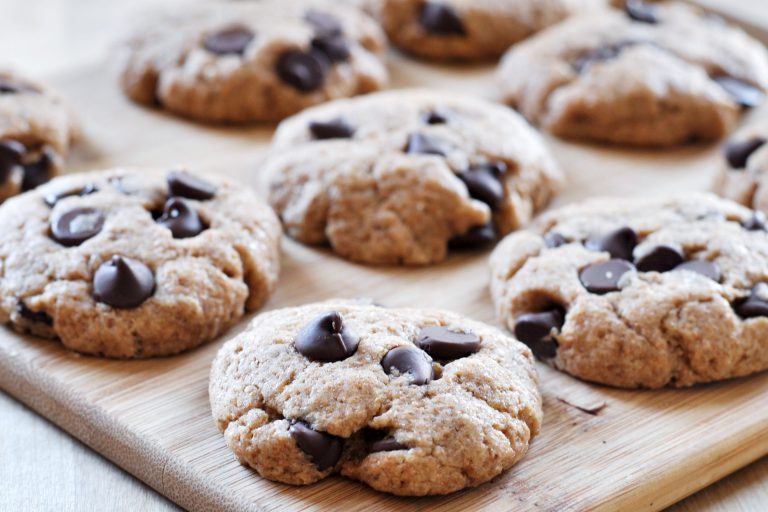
x=36, y=130
x=409, y=401
x=398, y=177
x=470, y=30
x=640, y=293
x=743, y=175
x=659, y=74
x=253, y=61
x=126, y=264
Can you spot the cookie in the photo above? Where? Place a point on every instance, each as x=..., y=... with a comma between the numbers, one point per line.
x=743, y=173
x=253, y=61
x=470, y=30
x=652, y=75
x=36, y=130
x=640, y=293
x=125, y=264
x=398, y=177
x=409, y=401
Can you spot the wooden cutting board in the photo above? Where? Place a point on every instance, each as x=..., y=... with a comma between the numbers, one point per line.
x=600, y=448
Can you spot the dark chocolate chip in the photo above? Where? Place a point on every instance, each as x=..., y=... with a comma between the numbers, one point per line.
x=326, y=339
x=619, y=244
x=38, y=317
x=537, y=331
x=184, y=184
x=442, y=19
x=662, y=258
x=11, y=155
x=483, y=182
x=54, y=197
x=181, y=218
x=123, y=282
x=476, y=238
x=323, y=23
x=334, y=47
x=601, y=54
x=418, y=143
x=601, y=278
x=554, y=240
x=231, y=40
x=337, y=128
x=756, y=303
x=323, y=448
x=744, y=94
x=304, y=71
x=10, y=86
x=388, y=444
x=443, y=343
x=435, y=117
x=703, y=267
x=76, y=226
x=641, y=11
x=756, y=222
x=738, y=152
x=38, y=172
x=411, y=360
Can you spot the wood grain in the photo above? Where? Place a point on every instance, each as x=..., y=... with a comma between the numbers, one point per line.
x=644, y=451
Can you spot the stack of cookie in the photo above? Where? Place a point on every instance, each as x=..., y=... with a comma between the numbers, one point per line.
x=644, y=293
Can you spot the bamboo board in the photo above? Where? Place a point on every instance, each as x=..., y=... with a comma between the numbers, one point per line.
x=641, y=451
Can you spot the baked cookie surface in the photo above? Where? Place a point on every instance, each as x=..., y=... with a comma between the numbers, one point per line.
x=36, y=130
x=469, y=29
x=409, y=401
x=125, y=264
x=640, y=292
x=253, y=61
x=652, y=75
x=743, y=174
x=397, y=177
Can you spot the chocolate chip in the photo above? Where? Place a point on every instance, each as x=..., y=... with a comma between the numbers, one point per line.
x=304, y=71
x=554, y=240
x=184, y=184
x=337, y=128
x=76, y=226
x=411, y=360
x=483, y=182
x=443, y=343
x=421, y=144
x=537, y=331
x=54, y=197
x=601, y=54
x=334, y=47
x=756, y=222
x=435, y=117
x=323, y=448
x=323, y=23
x=442, y=19
x=10, y=86
x=703, y=267
x=662, y=258
x=181, y=218
x=756, y=303
x=231, y=40
x=641, y=11
x=11, y=155
x=476, y=238
x=619, y=244
x=601, y=278
x=744, y=94
x=38, y=317
x=123, y=282
x=326, y=339
x=738, y=152
x=39, y=171
x=388, y=444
